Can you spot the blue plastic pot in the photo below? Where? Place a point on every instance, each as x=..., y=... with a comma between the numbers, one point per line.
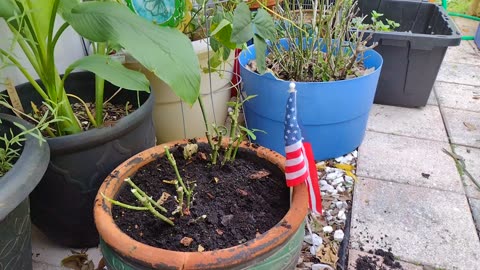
x=333, y=114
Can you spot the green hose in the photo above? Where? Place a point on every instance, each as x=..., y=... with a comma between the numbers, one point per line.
x=464, y=16
x=444, y=5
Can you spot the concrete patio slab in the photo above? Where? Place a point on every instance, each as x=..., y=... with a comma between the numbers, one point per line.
x=475, y=206
x=432, y=99
x=459, y=73
x=423, y=123
x=404, y=160
x=353, y=255
x=463, y=126
x=464, y=53
x=48, y=256
x=466, y=26
x=472, y=163
x=420, y=225
x=458, y=96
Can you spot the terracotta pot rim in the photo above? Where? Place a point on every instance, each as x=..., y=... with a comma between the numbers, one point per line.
x=222, y=258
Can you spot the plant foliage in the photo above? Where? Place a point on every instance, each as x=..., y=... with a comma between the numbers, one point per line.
x=164, y=51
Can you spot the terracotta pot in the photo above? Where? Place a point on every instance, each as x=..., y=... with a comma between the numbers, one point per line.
x=253, y=4
x=278, y=248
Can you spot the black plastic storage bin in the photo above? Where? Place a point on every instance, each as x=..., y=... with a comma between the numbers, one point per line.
x=413, y=53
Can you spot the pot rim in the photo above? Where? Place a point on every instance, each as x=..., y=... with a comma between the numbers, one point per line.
x=27, y=171
x=217, y=259
x=250, y=52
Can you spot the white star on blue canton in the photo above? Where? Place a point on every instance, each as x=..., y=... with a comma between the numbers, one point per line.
x=288, y=131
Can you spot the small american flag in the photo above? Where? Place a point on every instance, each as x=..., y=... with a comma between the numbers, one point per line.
x=300, y=165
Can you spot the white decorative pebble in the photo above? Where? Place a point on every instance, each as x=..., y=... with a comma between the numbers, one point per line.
x=339, y=205
x=323, y=183
x=313, y=239
x=330, y=170
x=332, y=192
x=327, y=229
x=340, y=188
x=338, y=235
x=341, y=215
x=337, y=181
x=333, y=175
x=313, y=250
x=327, y=188
x=321, y=266
x=355, y=154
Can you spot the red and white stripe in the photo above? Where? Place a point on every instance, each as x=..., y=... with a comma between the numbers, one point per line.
x=296, y=167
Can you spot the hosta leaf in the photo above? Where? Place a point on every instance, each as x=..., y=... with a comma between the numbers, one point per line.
x=7, y=9
x=112, y=71
x=164, y=51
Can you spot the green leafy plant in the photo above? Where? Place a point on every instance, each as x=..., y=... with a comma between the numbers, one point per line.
x=164, y=51
x=215, y=20
x=377, y=23
x=11, y=142
x=318, y=45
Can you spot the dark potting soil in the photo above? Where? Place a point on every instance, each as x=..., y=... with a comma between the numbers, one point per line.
x=111, y=113
x=379, y=262
x=238, y=205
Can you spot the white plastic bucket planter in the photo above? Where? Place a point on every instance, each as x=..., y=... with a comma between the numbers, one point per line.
x=174, y=119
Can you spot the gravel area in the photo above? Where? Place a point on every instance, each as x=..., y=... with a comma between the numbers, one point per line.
x=324, y=235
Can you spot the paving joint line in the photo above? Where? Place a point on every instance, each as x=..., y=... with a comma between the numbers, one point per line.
x=455, y=62
x=463, y=110
x=465, y=145
x=409, y=184
x=467, y=84
x=452, y=147
x=407, y=136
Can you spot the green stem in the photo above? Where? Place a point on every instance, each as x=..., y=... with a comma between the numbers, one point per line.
x=172, y=161
x=28, y=51
x=72, y=126
x=87, y=110
x=99, y=89
x=180, y=200
x=205, y=121
x=124, y=205
x=238, y=142
x=59, y=34
x=26, y=74
x=50, y=47
x=130, y=182
x=146, y=203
